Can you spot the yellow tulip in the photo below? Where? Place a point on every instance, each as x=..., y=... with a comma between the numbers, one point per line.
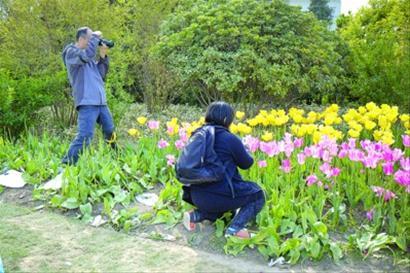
x=369, y=125
x=377, y=134
x=387, y=139
x=239, y=115
x=354, y=133
x=362, y=110
x=133, y=132
x=243, y=128
x=267, y=136
x=404, y=117
x=371, y=106
x=141, y=120
x=252, y=122
x=233, y=128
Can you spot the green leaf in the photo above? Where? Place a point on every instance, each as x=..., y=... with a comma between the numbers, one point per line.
x=220, y=225
x=70, y=203
x=315, y=249
x=321, y=229
x=401, y=242
x=337, y=253
x=86, y=211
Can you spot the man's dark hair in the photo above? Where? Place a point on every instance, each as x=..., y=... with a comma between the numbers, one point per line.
x=81, y=32
x=219, y=113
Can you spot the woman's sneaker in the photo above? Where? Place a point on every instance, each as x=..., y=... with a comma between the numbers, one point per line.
x=242, y=234
x=188, y=222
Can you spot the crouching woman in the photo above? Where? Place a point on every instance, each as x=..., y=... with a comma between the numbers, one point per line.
x=212, y=200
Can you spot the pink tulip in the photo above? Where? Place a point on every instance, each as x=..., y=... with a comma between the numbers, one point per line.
x=378, y=147
x=298, y=142
x=179, y=144
x=288, y=138
x=262, y=163
x=370, y=161
x=286, y=167
x=301, y=158
x=343, y=153
x=162, y=144
x=170, y=160
x=311, y=179
x=369, y=214
x=402, y=177
x=252, y=143
x=182, y=135
x=307, y=151
x=378, y=190
x=170, y=129
x=333, y=149
x=406, y=140
x=352, y=143
x=356, y=155
x=281, y=146
x=389, y=195
x=326, y=156
x=388, y=155
x=153, y=124
x=405, y=163
x=388, y=168
x=289, y=149
x=316, y=151
x=382, y=192
x=397, y=154
x=326, y=169
x=269, y=148
x=365, y=144
x=335, y=172
x=345, y=146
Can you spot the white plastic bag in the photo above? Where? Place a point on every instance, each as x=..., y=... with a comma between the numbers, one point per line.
x=12, y=179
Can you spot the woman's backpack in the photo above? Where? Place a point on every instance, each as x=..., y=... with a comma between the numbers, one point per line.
x=198, y=162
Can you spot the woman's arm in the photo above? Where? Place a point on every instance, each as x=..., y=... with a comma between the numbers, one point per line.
x=241, y=157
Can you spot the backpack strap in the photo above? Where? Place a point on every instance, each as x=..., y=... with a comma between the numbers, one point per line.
x=211, y=130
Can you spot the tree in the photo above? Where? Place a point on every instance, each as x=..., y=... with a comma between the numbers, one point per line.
x=321, y=9
x=249, y=50
x=379, y=39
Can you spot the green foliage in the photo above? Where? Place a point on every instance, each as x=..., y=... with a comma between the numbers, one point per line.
x=249, y=51
x=20, y=98
x=143, y=77
x=321, y=9
x=379, y=39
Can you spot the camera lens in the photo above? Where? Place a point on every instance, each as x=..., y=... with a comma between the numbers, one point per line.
x=107, y=43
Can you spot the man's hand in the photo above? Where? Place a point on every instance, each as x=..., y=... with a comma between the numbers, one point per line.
x=103, y=51
x=98, y=33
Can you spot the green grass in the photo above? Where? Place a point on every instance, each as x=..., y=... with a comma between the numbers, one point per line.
x=34, y=241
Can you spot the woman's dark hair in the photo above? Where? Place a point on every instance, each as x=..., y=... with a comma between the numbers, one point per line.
x=219, y=113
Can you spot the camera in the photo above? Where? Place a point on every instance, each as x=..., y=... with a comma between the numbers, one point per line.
x=105, y=42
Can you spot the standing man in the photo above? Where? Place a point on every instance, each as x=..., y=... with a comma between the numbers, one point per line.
x=86, y=76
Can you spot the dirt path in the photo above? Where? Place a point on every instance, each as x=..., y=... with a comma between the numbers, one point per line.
x=45, y=241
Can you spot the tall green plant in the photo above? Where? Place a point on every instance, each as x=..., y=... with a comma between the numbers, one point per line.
x=249, y=50
x=379, y=39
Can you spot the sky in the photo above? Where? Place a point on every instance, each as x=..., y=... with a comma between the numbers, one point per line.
x=352, y=5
